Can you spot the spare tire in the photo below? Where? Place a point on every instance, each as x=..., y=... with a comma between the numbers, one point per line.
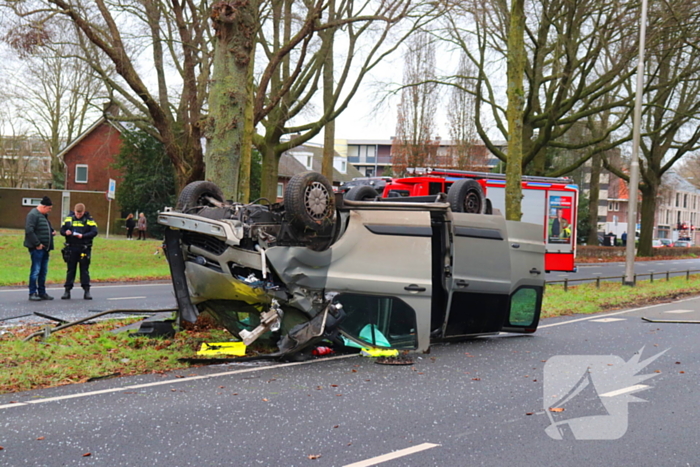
x=309, y=202
x=196, y=193
x=466, y=195
x=361, y=193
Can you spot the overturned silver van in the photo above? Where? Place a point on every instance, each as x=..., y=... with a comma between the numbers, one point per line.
x=371, y=273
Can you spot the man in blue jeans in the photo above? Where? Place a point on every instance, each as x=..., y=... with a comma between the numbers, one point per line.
x=38, y=238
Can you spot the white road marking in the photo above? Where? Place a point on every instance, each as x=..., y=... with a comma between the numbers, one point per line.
x=678, y=311
x=125, y=298
x=170, y=381
x=619, y=392
x=608, y=320
x=393, y=455
x=571, y=321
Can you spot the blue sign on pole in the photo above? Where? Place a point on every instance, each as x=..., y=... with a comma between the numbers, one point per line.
x=112, y=188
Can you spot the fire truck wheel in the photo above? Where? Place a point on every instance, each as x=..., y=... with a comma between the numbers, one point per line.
x=197, y=194
x=361, y=193
x=309, y=202
x=489, y=207
x=466, y=195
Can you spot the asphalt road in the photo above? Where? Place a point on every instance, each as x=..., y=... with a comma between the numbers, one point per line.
x=481, y=402
x=149, y=296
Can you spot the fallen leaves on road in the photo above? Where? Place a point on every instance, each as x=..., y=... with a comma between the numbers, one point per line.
x=556, y=409
x=314, y=456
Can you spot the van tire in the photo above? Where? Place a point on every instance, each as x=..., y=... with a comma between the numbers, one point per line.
x=309, y=202
x=466, y=195
x=196, y=193
x=361, y=193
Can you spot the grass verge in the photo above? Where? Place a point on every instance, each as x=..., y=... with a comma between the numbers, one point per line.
x=113, y=259
x=87, y=352
x=586, y=298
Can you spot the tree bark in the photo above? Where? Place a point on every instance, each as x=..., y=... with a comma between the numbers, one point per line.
x=234, y=26
x=516, y=97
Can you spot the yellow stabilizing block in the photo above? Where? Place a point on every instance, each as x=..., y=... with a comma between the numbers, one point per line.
x=223, y=348
x=375, y=352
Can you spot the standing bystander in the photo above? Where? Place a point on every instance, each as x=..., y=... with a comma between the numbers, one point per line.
x=79, y=229
x=130, y=224
x=142, y=225
x=38, y=238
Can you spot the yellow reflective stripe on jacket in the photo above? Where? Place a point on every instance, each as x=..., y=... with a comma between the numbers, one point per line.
x=92, y=222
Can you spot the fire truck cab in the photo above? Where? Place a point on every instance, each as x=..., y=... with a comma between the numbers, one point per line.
x=547, y=201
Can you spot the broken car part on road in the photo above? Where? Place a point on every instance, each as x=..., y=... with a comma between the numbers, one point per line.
x=377, y=273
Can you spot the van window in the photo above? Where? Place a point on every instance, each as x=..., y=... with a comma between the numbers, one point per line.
x=379, y=321
x=523, y=307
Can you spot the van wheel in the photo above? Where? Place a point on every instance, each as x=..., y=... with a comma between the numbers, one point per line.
x=361, y=193
x=197, y=194
x=309, y=202
x=466, y=195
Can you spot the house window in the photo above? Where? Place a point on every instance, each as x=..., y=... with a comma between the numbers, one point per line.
x=280, y=190
x=306, y=158
x=678, y=199
x=31, y=201
x=614, y=206
x=685, y=201
x=340, y=164
x=81, y=173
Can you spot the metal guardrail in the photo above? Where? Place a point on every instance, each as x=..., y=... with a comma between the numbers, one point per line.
x=651, y=275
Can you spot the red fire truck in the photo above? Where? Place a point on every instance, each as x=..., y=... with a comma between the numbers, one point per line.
x=549, y=202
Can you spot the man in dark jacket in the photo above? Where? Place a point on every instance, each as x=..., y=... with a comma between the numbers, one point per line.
x=38, y=239
x=79, y=229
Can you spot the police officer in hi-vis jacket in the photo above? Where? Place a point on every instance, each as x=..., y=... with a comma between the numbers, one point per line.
x=79, y=229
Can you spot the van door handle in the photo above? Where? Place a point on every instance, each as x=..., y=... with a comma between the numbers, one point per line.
x=461, y=283
x=414, y=288
x=535, y=271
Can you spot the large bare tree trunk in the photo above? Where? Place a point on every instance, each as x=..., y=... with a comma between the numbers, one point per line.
x=649, y=191
x=329, y=130
x=516, y=97
x=247, y=143
x=234, y=25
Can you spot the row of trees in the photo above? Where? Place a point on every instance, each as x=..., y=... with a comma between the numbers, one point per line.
x=574, y=101
x=275, y=73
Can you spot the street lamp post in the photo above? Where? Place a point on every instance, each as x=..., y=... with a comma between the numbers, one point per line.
x=634, y=164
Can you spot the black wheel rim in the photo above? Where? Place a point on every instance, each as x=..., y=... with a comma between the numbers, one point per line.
x=472, y=203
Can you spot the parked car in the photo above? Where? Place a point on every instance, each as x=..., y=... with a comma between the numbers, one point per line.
x=366, y=273
x=656, y=243
x=683, y=244
x=666, y=242
x=377, y=183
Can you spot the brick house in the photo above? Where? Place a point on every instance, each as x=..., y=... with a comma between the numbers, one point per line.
x=677, y=208
x=88, y=159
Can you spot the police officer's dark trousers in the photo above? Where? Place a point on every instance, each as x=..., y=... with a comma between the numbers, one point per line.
x=79, y=256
